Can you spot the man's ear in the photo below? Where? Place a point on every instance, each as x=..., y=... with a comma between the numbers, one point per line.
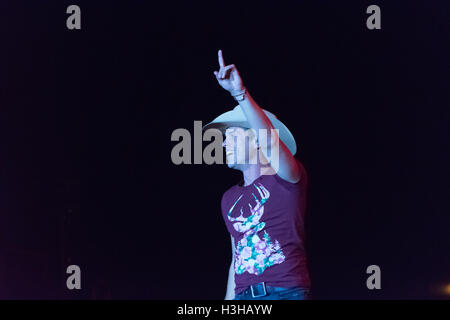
x=254, y=136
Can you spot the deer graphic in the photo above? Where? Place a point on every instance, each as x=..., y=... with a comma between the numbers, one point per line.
x=252, y=253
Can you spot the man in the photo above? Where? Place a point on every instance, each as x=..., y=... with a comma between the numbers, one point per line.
x=265, y=215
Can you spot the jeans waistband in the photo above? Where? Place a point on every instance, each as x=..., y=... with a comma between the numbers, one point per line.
x=261, y=289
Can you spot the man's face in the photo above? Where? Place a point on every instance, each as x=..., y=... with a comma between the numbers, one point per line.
x=240, y=147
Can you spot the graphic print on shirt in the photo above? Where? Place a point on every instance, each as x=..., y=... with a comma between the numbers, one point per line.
x=253, y=253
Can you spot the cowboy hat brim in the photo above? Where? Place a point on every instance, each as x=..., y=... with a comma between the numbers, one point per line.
x=236, y=118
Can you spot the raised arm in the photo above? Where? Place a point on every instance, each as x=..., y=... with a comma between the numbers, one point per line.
x=229, y=79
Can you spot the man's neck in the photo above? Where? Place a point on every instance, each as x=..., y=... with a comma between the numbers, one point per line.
x=253, y=172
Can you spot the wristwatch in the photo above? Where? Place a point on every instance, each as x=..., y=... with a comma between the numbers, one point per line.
x=239, y=95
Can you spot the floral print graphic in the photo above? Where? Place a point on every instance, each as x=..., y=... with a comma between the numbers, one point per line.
x=253, y=253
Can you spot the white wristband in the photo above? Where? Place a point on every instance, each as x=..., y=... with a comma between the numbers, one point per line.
x=239, y=95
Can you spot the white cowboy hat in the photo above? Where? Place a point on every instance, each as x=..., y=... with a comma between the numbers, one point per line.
x=236, y=118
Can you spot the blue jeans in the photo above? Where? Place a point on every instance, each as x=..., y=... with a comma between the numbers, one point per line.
x=273, y=293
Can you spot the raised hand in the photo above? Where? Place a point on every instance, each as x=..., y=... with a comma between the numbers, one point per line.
x=228, y=76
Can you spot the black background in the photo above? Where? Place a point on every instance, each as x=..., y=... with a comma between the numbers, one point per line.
x=87, y=116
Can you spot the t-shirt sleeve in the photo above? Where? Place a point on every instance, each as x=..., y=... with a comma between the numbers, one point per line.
x=222, y=203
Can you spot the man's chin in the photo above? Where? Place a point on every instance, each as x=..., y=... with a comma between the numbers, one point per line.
x=236, y=166
x=233, y=165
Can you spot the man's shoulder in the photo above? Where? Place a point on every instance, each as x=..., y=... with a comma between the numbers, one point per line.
x=293, y=186
x=230, y=193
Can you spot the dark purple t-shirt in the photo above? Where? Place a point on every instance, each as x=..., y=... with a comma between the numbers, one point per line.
x=266, y=220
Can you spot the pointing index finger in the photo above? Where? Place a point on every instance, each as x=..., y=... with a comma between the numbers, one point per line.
x=221, y=61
